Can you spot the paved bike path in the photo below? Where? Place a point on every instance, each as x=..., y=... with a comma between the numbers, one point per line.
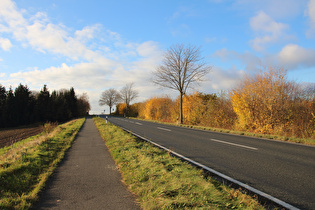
x=87, y=178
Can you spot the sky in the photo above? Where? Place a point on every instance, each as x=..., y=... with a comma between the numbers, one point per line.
x=100, y=44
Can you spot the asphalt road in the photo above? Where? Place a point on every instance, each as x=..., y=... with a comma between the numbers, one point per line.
x=283, y=170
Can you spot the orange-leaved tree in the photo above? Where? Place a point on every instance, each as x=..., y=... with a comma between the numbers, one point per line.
x=157, y=108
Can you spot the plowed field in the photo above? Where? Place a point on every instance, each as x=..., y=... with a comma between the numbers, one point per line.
x=10, y=136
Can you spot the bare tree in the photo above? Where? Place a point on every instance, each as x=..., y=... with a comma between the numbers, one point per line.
x=128, y=94
x=181, y=67
x=83, y=105
x=110, y=97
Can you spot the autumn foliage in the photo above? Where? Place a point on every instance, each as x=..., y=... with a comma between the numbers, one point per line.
x=268, y=103
x=265, y=103
x=158, y=108
x=198, y=109
x=133, y=109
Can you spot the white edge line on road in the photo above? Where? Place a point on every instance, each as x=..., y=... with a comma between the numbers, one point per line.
x=164, y=129
x=241, y=184
x=238, y=145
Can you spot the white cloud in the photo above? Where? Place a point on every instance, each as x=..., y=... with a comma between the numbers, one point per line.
x=293, y=56
x=81, y=75
x=148, y=48
x=98, y=75
x=9, y=13
x=220, y=79
x=311, y=14
x=44, y=36
x=55, y=39
x=2, y=74
x=87, y=33
x=269, y=31
x=262, y=22
x=5, y=44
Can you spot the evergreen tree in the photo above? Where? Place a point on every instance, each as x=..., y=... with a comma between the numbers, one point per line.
x=9, y=109
x=72, y=105
x=43, y=105
x=23, y=105
x=3, y=97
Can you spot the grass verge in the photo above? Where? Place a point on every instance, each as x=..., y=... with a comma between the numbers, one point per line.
x=244, y=133
x=161, y=181
x=26, y=165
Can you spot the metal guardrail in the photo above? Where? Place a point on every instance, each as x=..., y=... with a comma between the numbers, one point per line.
x=252, y=190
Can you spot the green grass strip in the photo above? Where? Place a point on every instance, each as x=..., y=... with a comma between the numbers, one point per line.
x=26, y=166
x=161, y=181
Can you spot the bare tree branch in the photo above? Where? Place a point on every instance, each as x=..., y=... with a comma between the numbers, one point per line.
x=110, y=97
x=128, y=94
x=181, y=67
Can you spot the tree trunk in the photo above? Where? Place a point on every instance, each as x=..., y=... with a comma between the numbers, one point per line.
x=181, y=109
x=110, y=110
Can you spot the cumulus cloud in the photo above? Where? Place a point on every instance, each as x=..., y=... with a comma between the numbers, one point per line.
x=10, y=14
x=48, y=37
x=98, y=75
x=148, y=48
x=87, y=33
x=269, y=30
x=293, y=56
x=44, y=36
x=5, y=44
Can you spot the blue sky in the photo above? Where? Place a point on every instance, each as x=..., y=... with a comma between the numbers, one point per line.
x=96, y=45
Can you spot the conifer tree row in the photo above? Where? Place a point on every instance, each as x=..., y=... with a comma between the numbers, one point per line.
x=22, y=106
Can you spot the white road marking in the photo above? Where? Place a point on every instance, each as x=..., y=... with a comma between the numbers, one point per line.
x=138, y=123
x=164, y=129
x=238, y=145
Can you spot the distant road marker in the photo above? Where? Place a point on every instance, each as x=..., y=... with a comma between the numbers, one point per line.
x=238, y=145
x=164, y=129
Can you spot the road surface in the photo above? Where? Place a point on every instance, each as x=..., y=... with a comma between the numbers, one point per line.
x=283, y=170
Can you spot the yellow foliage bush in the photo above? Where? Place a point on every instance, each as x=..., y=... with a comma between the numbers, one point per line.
x=158, y=108
x=267, y=103
x=121, y=108
x=198, y=109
